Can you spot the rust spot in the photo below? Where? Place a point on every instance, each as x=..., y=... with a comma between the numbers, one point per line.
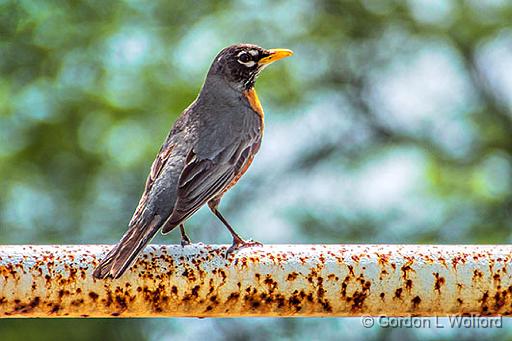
x=408, y=284
x=309, y=297
x=272, y=285
x=255, y=304
x=499, y=300
x=383, y=258
x=359, y=296
x=484, y=298
x=26, y=308
x=94, y=296
x=382, y=295
x=456, y=261
x=233, y=296
x=358, y=299
x=439, y=282
x=406, y=268
x=121, y=302
x=295, y=302
x=320, y=292
x=77, y=302
x=416, y=302
x=35, y=302
x=292, y=276
x=327, y=306
x=351, y=270
x=398, y=293
x=332, y=277
x=195, y=291
x=483, y=301
x=344, y=286
x=477, y=274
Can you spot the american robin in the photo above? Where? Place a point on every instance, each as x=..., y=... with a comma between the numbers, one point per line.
x=209, y=148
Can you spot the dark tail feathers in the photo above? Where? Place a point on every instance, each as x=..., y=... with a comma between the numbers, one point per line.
x=122, y=256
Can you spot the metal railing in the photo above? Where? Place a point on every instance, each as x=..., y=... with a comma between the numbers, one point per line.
x=273, y=280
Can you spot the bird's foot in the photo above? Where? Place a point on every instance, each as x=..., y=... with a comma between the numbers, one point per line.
x=185, y=240
x=240, y=244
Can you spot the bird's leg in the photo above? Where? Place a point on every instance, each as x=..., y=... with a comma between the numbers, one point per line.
x=185, y=240
x=238, y=242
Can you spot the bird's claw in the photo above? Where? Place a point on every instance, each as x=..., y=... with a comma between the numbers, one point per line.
x=240, y=244
x=185, y=240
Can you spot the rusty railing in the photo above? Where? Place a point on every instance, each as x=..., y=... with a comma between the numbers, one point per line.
x=273, y=280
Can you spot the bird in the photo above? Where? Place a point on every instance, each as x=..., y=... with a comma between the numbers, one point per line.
x=210, y=146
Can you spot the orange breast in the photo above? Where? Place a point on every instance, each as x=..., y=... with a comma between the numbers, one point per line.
x=255, y=104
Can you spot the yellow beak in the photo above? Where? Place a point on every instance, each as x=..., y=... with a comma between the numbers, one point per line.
x=275, y=54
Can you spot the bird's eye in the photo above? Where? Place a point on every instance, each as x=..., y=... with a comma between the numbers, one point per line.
x=244, y=57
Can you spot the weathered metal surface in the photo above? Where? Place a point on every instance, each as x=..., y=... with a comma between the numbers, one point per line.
x=274, y=280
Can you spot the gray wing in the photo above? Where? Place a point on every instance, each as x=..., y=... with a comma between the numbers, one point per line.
x=201, y=181
x=161, y=187
x=213, y=164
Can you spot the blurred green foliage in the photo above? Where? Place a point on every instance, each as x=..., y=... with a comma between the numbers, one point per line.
x=392, y=123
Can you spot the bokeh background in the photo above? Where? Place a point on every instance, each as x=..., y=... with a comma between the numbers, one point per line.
x=392, y=123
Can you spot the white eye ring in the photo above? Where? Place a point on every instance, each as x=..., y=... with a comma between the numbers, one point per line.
x=249, y=63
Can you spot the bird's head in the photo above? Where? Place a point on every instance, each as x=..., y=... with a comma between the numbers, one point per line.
x=240, y=64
